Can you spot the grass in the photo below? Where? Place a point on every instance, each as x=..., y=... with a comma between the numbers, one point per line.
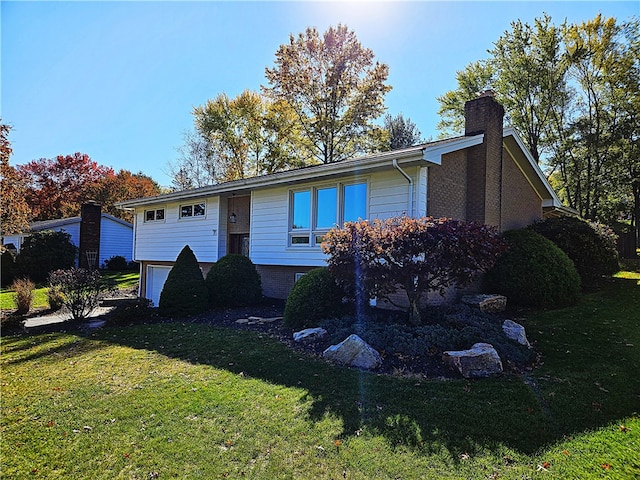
x=185, y=400
x=123, y=280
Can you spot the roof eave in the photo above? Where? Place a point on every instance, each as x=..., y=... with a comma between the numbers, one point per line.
x=405, y=157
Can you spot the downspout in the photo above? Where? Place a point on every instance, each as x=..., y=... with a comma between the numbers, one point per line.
x=404, y=174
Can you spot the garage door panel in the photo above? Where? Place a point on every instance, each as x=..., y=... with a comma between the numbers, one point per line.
x=156, y=276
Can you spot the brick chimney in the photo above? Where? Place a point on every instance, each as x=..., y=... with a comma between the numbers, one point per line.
x=89, y=251
x=484, y=162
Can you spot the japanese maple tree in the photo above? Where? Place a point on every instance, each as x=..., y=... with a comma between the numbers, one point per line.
x=417, y=255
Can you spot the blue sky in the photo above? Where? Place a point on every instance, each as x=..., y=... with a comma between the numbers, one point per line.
x=118, y=80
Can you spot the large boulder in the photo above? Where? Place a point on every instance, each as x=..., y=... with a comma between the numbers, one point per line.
x=479, y=361
x=516, y=332
x=309, y=334
x=355, y=352
x=486, y=303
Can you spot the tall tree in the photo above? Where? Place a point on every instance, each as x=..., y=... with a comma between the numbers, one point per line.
x=526, y=69
x=334, y=87
x=195, y=166
x=237, y=138
x=124, y=185
x=57, y=187
x=14, y=210
x=401, y=132
x=573, y=93
x=474, y=78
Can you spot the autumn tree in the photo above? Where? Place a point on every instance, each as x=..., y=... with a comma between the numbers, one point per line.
x=237, y=138
x=57, y=187
x=121, y=186
x=418, y=255
x=15, y=213
x=334, y=87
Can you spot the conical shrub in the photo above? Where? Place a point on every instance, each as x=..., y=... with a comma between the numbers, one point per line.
x=233, y=281
x=184, y=292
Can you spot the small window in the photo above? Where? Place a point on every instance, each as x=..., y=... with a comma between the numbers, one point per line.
x=195, y=210
x=154, y=215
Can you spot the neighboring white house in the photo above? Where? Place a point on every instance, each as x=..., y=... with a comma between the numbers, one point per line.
x=116, y=235
x=279, y=220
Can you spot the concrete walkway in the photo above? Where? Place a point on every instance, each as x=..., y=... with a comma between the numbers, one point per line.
x=62, y=316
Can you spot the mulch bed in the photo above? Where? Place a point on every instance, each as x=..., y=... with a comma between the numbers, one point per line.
x=425, y=367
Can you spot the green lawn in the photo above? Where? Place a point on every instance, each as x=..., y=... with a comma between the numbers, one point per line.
x=123, y=280
x=186, y=400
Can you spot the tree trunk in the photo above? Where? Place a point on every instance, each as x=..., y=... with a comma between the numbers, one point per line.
x=414, y=312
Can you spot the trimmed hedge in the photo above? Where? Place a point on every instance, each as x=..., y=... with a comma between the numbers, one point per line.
x=534, y=272
x=184, y=292
x=591, y=247
x=315, y=297
x=233, y=281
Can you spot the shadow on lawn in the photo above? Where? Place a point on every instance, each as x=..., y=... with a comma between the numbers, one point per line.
x=429, y=415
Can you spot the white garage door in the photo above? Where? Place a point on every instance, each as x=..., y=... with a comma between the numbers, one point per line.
x=156, y=276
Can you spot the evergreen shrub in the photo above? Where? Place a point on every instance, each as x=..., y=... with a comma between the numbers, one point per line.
x=591, y=247
x=7, y=264
x=43, y=252
x=116, y=263
x=533, y=272
x=184, y=292
x=315, y=297
x=233, y=281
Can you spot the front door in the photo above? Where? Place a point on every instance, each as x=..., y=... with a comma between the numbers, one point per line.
x=238, y=224
x=239, y=244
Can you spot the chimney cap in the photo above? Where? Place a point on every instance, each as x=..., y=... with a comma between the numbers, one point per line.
x=486, y=93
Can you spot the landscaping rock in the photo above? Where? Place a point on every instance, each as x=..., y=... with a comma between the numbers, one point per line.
x=355, y=352
x=516, y=332
x=479, y=361
x=309, y=334
x=487, y=303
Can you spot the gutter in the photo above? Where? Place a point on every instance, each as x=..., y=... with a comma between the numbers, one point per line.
x=404, y=174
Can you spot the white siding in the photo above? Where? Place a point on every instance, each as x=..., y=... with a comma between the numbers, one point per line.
x=269, y=232
x=421, y=192
x=115, y=239
x=388, y=193
x=163, y=240
x=16, y=239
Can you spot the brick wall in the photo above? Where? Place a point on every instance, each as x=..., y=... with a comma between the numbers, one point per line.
x=447, y=190
x=277, y=281
x=521, y=205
